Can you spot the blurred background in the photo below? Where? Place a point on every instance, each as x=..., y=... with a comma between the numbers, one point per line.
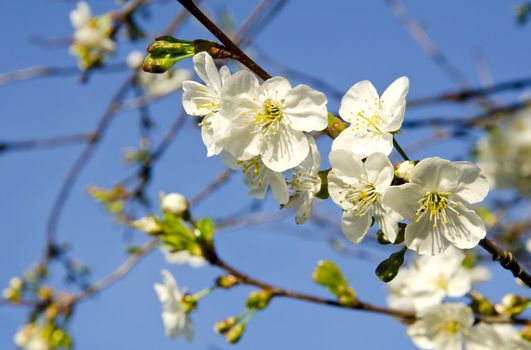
x=441, y=46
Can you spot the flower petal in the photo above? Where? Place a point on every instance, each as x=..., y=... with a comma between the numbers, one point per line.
x=394, y=103
x=306, y=109
x=285, y=149
x=364, y=142
x=473, y=185
x=401, y=202
x=379, y=171
x=435, y=175
x=464, y=228
x=206, y=70
x=346, y=165
x=361, y=97
x=355, y=227
x=423, y=238
x=275, y=88
x=279, y=187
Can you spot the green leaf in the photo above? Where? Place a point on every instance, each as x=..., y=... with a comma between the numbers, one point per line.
x=388, y=268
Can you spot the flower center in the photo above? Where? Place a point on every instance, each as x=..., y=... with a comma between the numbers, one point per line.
x=436, y=204
x=206, y=100
x=252, y=170
x=370, y=119
x=268, y=120
x=305, y=182
x=441, y=282
x=362, y=197
x=452, y=327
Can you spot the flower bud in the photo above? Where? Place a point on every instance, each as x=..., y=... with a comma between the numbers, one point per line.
x=158, y=64
x=148, y=224
x=224, y=326
x=259, y=299
x=235, y=333
x=170, y=45
x=174, y=203
x=227, y=281
x=403, y=169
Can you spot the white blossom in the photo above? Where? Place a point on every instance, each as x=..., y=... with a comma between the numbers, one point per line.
x=183, y=257
x=437, y=202
x=269, y=121
x=305, y=183
x=496, y=336
x=176, y=320
x=258, y=177
x=430, y=279
x=205, y=100
x=371, y=118
x=358, y=187
x=442, y=327
x=403, y=170
x=174, y=203
x=30, y=337
x=91, y=35
x=504, y=153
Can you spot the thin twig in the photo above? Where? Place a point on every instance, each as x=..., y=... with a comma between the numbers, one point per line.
x=24, y=145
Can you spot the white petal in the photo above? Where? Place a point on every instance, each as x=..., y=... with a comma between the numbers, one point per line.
x=394, y=103
x=435, y=175
x=386, y=222
x=279, y=187
x=306, y=109
x=465, y=228
x=196, y=98
x=206, y=70
x=355, y=227
x=284, y=150
x=423, y=238
x=336, y=189
x=224, y=74
x=364, y=142
x=239, y=97
x=346, y=165
x=473, y=185
x=379, y=171
x=276, y=88
x=459, y=284
x=360, y=97
x=402, y=201
x=241, y=142
x=312, y=163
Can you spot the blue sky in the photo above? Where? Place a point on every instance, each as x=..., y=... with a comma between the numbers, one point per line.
x=341, y=42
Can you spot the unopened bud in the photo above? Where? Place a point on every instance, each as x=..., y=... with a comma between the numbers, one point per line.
x=235, y=333
x=403, y=170
x=170, y=45
x=224, y=326
x=174, y=203
x=158, y=64
x=259, y=299
x=147, y=224
x=512, y=305
x=15, y=283
x=227, y=281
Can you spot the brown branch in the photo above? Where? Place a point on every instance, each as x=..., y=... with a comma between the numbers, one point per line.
x=44, y=143
x=506, y=260
x=118, y=274
x=224, y=39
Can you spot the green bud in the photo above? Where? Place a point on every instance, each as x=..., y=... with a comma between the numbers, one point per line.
x=227, y=281
x=330, y=276
x=481, y=305
x=513, y=305
x=235, y=333
x=259, y=299
x=224, y=326
x=388, y=269
x=335, y=126
x=159, y=64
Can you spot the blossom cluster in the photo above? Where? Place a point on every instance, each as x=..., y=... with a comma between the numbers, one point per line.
x=91, y=40
x=505, y=152
x=264, y=130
